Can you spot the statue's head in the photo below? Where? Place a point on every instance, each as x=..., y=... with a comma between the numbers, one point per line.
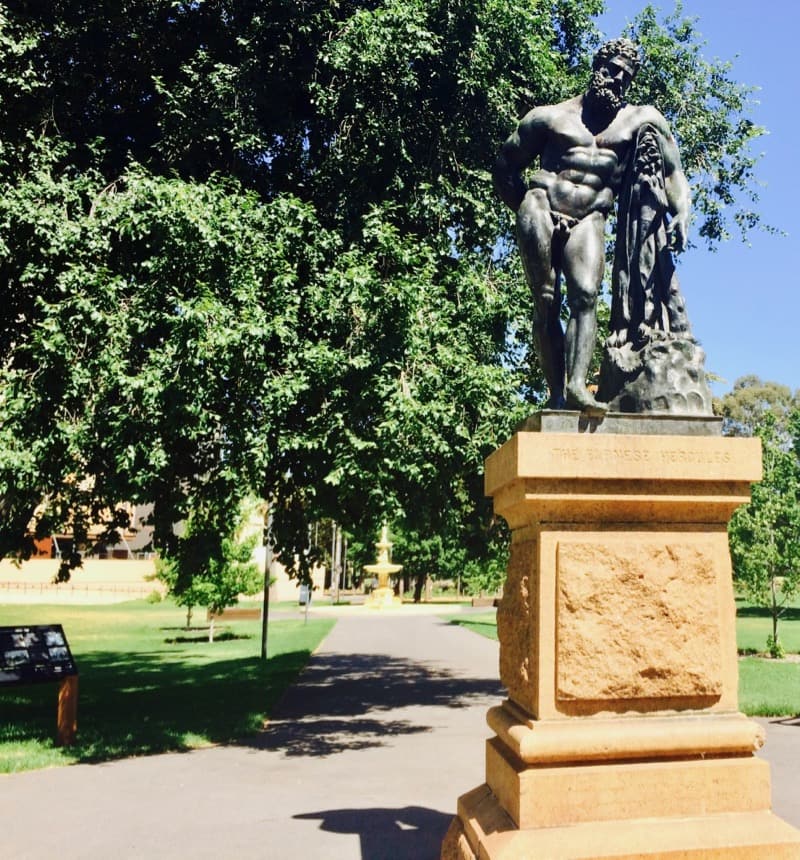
x=614, y=67
x=625, y=52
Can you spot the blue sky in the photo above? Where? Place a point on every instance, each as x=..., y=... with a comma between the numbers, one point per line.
x=744, y=302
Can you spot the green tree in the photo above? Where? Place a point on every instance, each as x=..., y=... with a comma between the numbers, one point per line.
x=750, y=401
x=707, y=109
x=211, y=570
x=252, y=248
x=156, y=350
x=765, y=534
x=484, y=577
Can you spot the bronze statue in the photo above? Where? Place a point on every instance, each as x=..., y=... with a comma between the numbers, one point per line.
x=591, y=150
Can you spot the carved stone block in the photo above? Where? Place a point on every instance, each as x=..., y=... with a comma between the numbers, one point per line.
x=637, y=620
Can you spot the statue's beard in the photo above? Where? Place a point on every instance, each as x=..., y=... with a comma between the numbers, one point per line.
x=601, y=99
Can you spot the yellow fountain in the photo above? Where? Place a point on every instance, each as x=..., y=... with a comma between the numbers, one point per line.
x=382, y=596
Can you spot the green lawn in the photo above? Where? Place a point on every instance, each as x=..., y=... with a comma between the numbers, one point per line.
x=766, y=687
x=146, y=685
x=769, y=688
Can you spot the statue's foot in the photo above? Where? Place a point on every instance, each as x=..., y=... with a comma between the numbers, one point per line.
x=578, y=397
x=556, y=401
x=617, y=339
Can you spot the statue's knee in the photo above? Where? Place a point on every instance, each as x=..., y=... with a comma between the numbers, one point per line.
x=548, y=305
x=544, y=292
x=582, y=300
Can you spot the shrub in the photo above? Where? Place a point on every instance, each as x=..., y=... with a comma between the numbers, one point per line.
x=775, y=648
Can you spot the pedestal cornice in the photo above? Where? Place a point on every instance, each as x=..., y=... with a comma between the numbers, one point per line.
x=568, y=477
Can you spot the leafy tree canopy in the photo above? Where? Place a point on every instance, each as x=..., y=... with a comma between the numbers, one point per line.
x=707, y=109
x=751, y=401
x=252, y=247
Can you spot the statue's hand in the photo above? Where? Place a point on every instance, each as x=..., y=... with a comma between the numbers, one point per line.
x=677, y=233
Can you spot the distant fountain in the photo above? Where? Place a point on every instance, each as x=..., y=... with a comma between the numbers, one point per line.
x=382, y=596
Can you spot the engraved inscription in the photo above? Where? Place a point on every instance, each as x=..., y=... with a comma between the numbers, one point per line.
x=704, y=457
x=569, y=454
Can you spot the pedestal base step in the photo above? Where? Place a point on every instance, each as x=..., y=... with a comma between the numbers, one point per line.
x=555, y=796
x=483, y=831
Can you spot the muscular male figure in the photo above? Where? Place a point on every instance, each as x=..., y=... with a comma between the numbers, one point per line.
x=582, y=146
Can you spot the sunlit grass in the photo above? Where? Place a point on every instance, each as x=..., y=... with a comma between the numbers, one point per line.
x=146, y=685
x=769, y=688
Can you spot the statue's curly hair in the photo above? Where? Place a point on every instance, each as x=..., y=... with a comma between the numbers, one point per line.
x=618, y=48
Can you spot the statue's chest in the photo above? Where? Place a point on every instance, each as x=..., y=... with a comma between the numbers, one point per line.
x=571, y=133
x=617, y=138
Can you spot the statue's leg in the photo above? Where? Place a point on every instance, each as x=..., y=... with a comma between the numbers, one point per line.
x=583, y=266
x=535, y=239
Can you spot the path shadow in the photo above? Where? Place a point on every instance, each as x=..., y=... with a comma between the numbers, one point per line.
x=787, y=721
x=321, y=737
x=389, y=834
x=357, y=701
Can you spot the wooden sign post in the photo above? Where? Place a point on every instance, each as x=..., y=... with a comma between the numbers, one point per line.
x=67, y=717
x=38, y=654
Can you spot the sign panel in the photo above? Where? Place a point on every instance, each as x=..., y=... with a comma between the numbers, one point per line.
x=35, y=653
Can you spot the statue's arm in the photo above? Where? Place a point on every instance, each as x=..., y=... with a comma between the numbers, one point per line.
x=679, y=196
x=525, y=144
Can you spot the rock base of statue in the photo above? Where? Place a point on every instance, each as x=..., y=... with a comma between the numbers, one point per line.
x=665, y=375
x=621, y=735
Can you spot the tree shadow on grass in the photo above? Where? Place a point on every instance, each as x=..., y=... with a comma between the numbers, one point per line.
x=141, y=704
x=356, y=701
x=386, y=834
x=224, y=636
x=790, y=613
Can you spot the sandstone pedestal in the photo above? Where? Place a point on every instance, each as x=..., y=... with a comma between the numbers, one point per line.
x=621, y=735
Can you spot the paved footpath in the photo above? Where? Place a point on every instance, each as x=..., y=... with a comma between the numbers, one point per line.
x=363, y=761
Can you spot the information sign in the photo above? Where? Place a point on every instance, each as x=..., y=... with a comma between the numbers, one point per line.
x=34, y=653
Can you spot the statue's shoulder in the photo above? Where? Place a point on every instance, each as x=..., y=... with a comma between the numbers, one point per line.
x=548, y=115
x=637, y=116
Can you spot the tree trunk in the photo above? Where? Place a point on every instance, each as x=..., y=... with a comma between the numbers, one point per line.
x=775, y=611
x=188, y=617
x=336, y=563
x=419, y=583
x=267, y=567
x=211, y=629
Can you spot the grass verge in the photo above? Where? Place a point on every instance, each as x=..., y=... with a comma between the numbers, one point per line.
x=484, y=623
x=147, y=685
